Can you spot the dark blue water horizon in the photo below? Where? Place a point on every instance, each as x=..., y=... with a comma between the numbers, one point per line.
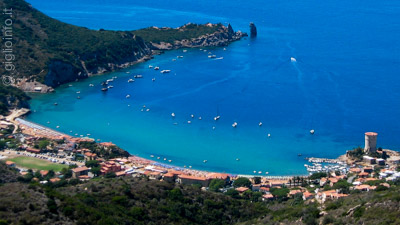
x=344, y=83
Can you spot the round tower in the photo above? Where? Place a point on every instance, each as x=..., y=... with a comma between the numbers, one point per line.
x=370, y=142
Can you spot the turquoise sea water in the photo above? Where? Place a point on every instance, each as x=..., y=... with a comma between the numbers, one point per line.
x=345, y=82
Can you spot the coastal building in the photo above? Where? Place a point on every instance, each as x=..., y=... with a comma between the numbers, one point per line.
x=110, y=166
x=10, y=164
x=187, y=179
x=221, y=176
x=307, y=195
x=241, y=189
x=90, y=156
x=369, y=159
x=370, y=142
x=80, y=171
x=267, y=197
x=32, y=150
x=380, y=162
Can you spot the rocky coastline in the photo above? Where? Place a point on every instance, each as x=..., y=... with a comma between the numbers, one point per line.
x=60, y=72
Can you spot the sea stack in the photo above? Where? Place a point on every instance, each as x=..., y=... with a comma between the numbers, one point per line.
x=253, y=30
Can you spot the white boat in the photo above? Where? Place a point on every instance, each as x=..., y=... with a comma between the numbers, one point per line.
x=154, y=79
x=173, y=59
x=169, y=160
x=269, y=135
x=237, y=159
x=138, y=76
x=147, y=110
x=212, y=56
x=184, y=50
x=173, y=114
x=234, y=125
x=189, y=122
x=199, y=117
x=91, y=85
x=150, y=66
x=110, y=86
x=192, y=116
x=110, y=80
x=204, y=161
x=217, y=118
x=260, y=124
x=127, y=72
x=131, y=80
x=78, y=92
x=156, y=68
x=224, y=49
x=180, y=56
x=158, y=157
x=292, y=59
x=312, y=131
x=165, y=71
x=128, y=96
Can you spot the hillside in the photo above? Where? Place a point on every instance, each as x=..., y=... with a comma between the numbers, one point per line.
x=12, y=97
x=52, y=52
x=128, y=200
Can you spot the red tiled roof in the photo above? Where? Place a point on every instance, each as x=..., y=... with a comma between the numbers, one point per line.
x=242, y=189
x=44, y=172
x=80, y=169
x=371, y=134
x=192, y=177
x=268, y=196
x=9, y=163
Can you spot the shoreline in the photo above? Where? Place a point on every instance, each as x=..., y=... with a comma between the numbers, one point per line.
x=38, y=130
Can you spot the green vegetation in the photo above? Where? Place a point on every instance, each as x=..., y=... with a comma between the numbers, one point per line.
x=216, y=184
x=11, y=97
x=129, y=200
x=318, y=175
x=169, y=35
x=242, y=182
x=34, y=163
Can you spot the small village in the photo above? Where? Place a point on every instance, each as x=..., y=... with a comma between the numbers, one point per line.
x=367, y=169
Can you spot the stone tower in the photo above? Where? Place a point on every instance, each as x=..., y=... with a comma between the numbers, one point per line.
x=370, y=142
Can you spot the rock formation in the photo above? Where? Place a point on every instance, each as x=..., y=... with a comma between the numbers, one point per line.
x=253, y=30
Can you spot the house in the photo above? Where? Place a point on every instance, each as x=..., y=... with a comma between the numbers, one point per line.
x=256, y=187
x=44, y=173
x=80, y=171
x=367, y=169
x=110, y=166
x=307, y=195
x=169, y=177
x=90, y=156
x=264, y=189
x=155, y=175
x=187, y=179
x=333, y=180
x=322, y=181
x=32, y=150
x=267, y=197
x=241, y=189
x=120, y=174
x=293, y=192
x=363, y=187
x=369, y=159
x=53, y=180
x=10, y=164
x=355, y=170
x=363, y=175
x=380, y=162
x=221, y=176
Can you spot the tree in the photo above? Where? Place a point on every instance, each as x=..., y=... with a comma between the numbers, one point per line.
x=233, y=193
x=92, y=163
x=96, y=170
x=110, y=175
x=318, y=175
x=242, y=182
x=280, y=193
x=257, y=180
x=43, y=144
x=216, y=184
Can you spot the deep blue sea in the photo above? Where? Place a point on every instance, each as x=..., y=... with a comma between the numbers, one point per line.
x=346, y=81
